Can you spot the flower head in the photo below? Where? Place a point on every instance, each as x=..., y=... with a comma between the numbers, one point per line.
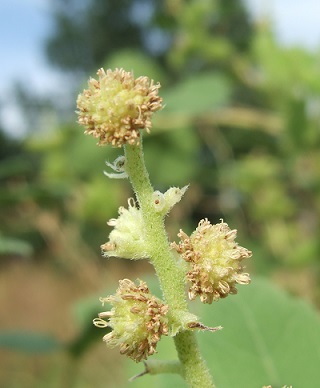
x=126, y=240
x=138, y=320
x=214, y=261
x=117, y=106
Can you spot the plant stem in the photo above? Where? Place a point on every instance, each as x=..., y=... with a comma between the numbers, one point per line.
x=195, y=370
x=171, y=277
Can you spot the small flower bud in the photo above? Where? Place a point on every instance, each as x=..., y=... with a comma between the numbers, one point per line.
x=138, y=320
x=158, y=201
x=117, y=106
x=173, y=196
x=163, y=203
x=214, y=261
x=127, y=238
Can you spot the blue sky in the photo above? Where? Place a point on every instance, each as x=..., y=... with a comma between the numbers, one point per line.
x=295, y=22
x=26, y=23
x=23, y=28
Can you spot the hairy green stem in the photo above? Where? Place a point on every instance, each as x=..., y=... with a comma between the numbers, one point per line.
x=171, y=277
x=195, y=370
x=169, y=274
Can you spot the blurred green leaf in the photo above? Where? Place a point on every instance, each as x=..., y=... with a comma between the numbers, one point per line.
x=15, y=166
x=285, y=70
x=14, y=246
x=138, y=62
x=274, y=338
x=179, y=165
x=28, y=342
x=198, y=94
x=99, y=193
x=297, y=123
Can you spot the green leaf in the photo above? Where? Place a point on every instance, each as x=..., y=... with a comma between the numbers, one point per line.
x=197, y=95
x=138, y=62
x=28, y=342
x=180, y=165
x=268, y=337
x=14, y=246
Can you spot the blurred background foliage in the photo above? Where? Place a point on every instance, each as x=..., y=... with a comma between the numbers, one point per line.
x=240, y=125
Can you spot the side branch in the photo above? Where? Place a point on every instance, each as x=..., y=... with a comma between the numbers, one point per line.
x=154, y=367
